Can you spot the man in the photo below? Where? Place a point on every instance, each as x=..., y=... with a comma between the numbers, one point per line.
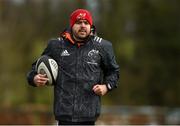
x=87, y=71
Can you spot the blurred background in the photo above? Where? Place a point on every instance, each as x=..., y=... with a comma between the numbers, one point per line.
x=146, y=39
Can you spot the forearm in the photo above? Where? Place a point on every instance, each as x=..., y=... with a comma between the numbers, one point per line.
x=30, y=78
x=111, y=80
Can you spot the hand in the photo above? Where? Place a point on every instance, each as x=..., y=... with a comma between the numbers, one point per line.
x=100, y=89
x=40, y=80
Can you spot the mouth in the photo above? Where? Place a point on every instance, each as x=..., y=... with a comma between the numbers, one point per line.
x=82, y=30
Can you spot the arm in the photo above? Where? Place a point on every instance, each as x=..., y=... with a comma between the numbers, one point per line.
x=35, y=79
x=110, y=67
x=110, y=70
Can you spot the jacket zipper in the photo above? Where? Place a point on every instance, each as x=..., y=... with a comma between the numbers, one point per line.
x=75, y=86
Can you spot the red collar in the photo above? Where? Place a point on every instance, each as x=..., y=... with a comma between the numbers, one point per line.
x=67, y=35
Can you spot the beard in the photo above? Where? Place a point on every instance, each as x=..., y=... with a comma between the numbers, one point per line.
x=81, y=35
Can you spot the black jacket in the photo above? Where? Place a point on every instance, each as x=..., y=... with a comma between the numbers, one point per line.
x=80, y=68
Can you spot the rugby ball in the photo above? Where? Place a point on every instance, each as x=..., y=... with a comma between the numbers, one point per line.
x=47, y=65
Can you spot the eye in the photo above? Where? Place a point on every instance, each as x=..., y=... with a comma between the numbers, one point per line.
x=78, y=22
x=86, y=22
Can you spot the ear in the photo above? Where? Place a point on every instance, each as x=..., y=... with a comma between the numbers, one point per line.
x=93, y=30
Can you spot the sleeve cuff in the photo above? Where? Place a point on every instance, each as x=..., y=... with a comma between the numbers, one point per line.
x=109, y=87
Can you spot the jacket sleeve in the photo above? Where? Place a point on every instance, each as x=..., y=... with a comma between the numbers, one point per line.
x=110, y=66
x=33, y=72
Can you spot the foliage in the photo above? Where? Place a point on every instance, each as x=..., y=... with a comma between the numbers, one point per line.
x=144, y=33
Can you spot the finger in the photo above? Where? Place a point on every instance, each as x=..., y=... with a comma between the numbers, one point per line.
x=42, y=81
x=97, y=90
x=98, y=93
x=95, y=87
x=42, y=75
x=43, y=78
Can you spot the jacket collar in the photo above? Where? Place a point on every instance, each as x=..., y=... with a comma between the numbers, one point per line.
x=67, y=35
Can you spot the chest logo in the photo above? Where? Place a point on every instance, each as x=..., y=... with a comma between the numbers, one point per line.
x=93, y=56
x=93, y=52
x=65, y=53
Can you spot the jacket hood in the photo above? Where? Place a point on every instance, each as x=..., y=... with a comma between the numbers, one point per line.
x=68, y=35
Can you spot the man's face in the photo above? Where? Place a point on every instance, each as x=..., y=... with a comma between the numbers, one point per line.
x=81, y=29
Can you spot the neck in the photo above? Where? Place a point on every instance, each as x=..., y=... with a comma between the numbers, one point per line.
x=78, y=39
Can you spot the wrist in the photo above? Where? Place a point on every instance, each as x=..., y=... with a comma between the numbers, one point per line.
x=109, y=87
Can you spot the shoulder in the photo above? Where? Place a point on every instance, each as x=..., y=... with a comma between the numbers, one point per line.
x=103, y=43
x=55, y=41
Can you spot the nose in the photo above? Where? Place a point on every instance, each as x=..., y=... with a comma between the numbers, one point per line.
x=83, y=24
